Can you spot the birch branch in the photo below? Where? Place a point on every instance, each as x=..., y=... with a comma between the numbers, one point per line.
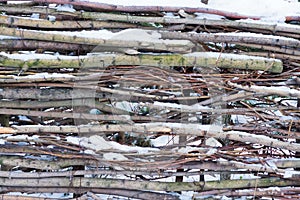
x=120, y=8
x=86, y=184
x=158, y=45
x=145, y=195
x=85, y=116
x=197, y=59
x=275, y=28
x=234, y=38
x=61, y=103
x=13, y=21
x=60, y=163
x=168, y=128
x=268, y=192
x=85, y=93
x=273, y=49
x=282, y=90
x=20, y=44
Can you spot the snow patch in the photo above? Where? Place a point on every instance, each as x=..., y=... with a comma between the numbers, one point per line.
x=34, y=56
x=164, y=140
x=185, y=3
x=114, y=156
x=267, y=9
x=98, y=143
x=45, y=76
x=65, y=8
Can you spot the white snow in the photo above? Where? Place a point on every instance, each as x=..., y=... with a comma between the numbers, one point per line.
x=241, y=119
x=5, y=37
x=291, y=173
x=31, y=56
x=35, y=16
x=208, y=16
x=287, y=118
x=268, y=10
x=24, y=118
x=114, y=156
x=178, y=3
x=51, y=18
x=213, y=142
x=45, y=75
x=271, y=11
x=98, y=143
x=2, y=141
x=100, y=34
x=165, y=140
x=65, y=8
x=230, y=56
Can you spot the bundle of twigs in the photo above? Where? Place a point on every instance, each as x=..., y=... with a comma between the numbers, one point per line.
x=85, y=114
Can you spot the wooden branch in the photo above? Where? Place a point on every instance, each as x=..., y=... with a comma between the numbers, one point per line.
x=265, y=91
x=20, y=197
x=198, y=60
x=252, y=167
x=52, y=94
x=84, y=116
x=19, y=44
x=275, y=29
x=268, y=192
x=169, y=128
x=60, y=163
x=293, y=134
x=86, y=184
x=145, y=195
x=153, y=173
x=159, y=45
x=120, y=8
x=272, y=49
x=232, y=38
x=61, y=103
x=81, y=93
x=73, y=115
x=12, y=21
x=276, y=55
x=9, y=162
x=23, y=10
x=287, y=163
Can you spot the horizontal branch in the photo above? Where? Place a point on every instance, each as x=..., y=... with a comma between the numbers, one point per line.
x=264, y=90
x=145, y=195
x=272, y=48
x=197, y=59
x=275, y=28
x=86, y=184
x=154, y=44
x=232, y=38
x=88, y=92
x=121, y=8
x=170, y=128
x=61, y=103
x=10, y=162
x=20, y=44
x=61, y=25
x=84, y=116
x=263, y=193
x=161, y=106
